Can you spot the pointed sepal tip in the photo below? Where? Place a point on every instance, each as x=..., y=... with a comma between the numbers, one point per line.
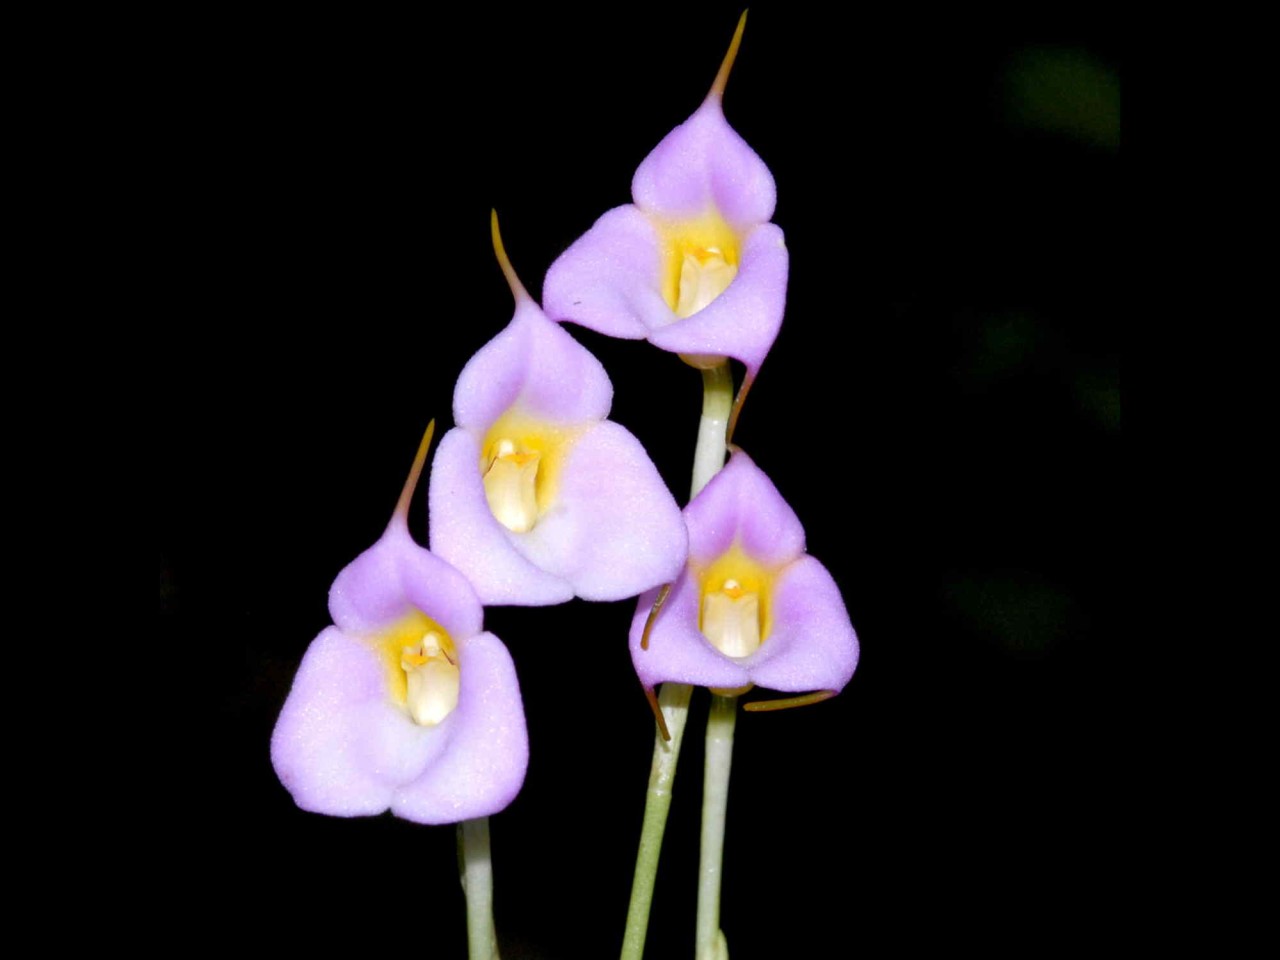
x=517, y=288
x=726, y=66
x=401, y=515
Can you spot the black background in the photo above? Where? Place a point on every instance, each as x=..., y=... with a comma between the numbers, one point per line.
x=949, y=192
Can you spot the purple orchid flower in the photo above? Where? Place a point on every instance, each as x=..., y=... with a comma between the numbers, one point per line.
x=751, y=607
x=405, y=703
x=535, y=496
x=694, y=265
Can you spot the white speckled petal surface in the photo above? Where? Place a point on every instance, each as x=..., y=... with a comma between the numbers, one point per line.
x=743, y=322
x=812, y=645
x=615, y=529
x=609, y=280
x=465, y=533
x=341, y=746
x=483, y=766
x=395, y=575
x=537, y=365
x=704, y=162
x=741, y=503
x=678, y=652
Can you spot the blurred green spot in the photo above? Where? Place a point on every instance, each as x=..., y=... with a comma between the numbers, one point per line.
x=1007, y=342
x=1023, y=614
x=1064, y=91
x=1000, y=345
x=1099, y=397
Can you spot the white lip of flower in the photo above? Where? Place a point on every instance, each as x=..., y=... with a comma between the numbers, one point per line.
x=700, y=260
x=733, y=614
x=521, y=459
x=510, y=486
x=704, y=275
x=734, y=610
x=731, y=619
x=432, y=679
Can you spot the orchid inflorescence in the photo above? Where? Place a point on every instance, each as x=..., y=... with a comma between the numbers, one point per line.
x=405, y=703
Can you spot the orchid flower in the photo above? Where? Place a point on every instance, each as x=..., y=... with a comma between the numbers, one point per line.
x=405, y=703
x=751, y=607
x=535, y=496
x=694, y=265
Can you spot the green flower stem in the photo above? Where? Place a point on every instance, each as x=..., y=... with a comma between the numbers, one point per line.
x=674, y=701
x=673, y=698
x=717, y=405
x=477, y=884
x=710, y=944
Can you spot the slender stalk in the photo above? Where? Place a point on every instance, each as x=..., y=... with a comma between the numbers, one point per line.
x=673, y=698
x=717, y=405
x=715, y=802
x=477, y=884
x=674, y=701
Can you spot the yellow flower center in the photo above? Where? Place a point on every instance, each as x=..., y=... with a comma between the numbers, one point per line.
x=520, y=462
x=422, y=667
x=701, y=260
x=734, y=612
